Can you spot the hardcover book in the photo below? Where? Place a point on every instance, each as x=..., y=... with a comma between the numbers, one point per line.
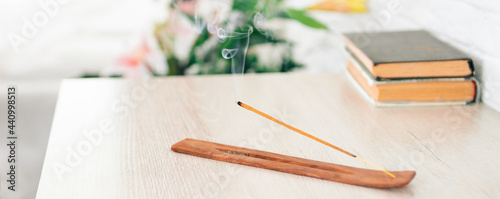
x=407, y=54
x=428, y=91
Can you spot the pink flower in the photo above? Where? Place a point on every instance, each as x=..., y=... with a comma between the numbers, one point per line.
x=135, y=58
x=188, y=7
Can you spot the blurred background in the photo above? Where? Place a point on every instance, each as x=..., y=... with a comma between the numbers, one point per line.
x=45, y=41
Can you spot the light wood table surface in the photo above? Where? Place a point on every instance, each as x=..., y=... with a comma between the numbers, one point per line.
x=111, y=138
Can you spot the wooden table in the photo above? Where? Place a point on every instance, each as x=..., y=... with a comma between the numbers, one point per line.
x=111, y=138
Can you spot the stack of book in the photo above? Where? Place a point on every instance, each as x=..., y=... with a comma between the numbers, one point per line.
x=410, y=68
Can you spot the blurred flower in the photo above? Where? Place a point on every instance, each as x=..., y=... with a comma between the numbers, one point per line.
x=144, y=60
x=186, y=6
x=136, y=57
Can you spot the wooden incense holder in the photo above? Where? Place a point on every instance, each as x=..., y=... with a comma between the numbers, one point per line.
x=294, y=165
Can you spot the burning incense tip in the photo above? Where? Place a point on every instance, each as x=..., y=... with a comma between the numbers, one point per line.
x=308, y=135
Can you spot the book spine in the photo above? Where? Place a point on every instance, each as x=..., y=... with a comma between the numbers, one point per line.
x=471, y=67
x=477, y=92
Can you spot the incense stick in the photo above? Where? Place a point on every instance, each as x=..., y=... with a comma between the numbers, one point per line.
x=309, y=136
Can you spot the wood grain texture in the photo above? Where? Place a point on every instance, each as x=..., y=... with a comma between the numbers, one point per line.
x=453, y=149
x=294, y=165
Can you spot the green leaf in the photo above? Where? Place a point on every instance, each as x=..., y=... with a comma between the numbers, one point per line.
x=244, y=5
x=302, y=17
x=189, y=17
x=90, y=75
x=202, y=38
